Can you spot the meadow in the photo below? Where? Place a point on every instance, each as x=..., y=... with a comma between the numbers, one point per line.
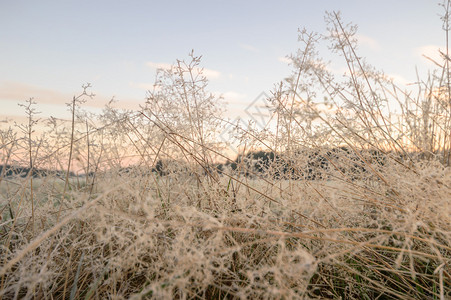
x=339, y=197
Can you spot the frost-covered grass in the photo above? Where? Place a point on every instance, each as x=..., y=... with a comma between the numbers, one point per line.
x=373, y=223
x=145, y=236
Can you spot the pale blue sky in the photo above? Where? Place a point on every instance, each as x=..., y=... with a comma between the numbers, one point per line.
x=50, y=48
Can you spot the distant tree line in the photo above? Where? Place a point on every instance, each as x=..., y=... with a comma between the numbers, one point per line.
x=306, y=164
x=18, y=171
x=309, y=164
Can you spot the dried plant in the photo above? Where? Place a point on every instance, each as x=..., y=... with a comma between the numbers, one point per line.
x=339, y=196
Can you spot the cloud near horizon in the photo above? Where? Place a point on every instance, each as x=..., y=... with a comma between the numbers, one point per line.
x=20, y=92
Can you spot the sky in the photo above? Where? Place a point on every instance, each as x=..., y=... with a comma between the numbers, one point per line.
x=49, y=49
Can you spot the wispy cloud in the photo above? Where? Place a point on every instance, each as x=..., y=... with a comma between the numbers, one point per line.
x=142, y=86
x=155, y=65
x=284, y=59
x=233, y=96
x=337, y=70
x=428, y=52
x=236, y=102
x=10, y=118
x=368, y=41
x=19, y=92
x=398, y=79
x=248, y=47
x=209, y=73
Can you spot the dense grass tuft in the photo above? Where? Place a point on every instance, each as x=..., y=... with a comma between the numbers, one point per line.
x=342, y=198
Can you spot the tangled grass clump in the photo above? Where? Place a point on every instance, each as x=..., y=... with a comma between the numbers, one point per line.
x=342, y=200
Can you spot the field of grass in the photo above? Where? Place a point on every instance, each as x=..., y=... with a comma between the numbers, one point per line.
x=373, y=222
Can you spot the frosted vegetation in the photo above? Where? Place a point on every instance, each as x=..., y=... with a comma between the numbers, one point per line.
x=339, y=198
